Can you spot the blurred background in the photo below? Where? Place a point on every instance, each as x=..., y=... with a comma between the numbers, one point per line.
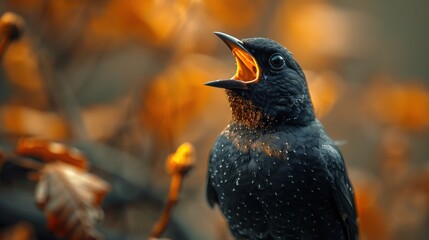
x=123, y=81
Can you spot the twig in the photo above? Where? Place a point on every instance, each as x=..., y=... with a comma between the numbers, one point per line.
x=5, y=41
x=161, y=225
x=23, y=162
x=178, y=165
x=11, y=28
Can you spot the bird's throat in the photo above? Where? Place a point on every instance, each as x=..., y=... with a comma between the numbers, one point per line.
x=246, y=113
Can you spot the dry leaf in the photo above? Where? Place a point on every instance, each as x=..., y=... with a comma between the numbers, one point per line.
x=51, y=151
x=70, y=198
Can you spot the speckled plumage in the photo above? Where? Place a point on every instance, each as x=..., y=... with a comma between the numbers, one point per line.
x=273, y=171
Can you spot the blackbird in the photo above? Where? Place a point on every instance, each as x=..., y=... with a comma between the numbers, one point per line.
x=273, y=171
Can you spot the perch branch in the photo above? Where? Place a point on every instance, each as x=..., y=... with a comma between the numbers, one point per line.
x=178, y=165
x=161, y=225
x=11, y=28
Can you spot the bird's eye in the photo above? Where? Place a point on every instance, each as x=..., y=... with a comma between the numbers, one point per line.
x=277, y=61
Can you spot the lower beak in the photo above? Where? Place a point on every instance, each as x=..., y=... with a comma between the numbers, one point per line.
x=227, y=84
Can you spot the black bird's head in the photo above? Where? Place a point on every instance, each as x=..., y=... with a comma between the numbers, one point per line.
x=269, y=86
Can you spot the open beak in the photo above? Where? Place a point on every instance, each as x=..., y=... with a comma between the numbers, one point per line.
x=247, y=68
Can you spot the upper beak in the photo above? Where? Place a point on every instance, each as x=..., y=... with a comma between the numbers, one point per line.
x=247, y=68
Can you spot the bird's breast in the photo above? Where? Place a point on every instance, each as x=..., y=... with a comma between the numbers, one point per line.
x=272, y=182
x=242, y=157
x=253, y=160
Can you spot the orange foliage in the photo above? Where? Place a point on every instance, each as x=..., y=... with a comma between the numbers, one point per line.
x=25, y=4
x=236, y=14
x=27, y=121
x=176, y=96
x=317, y=31
x=58, y=15
x=22, y=69
x=151, y=21
x=62, y=14
x=403, y=104
x=102, y=121
x=372, y=220
x=51, y=152
x=324, y=89
x=420, y=184
x=394, y=159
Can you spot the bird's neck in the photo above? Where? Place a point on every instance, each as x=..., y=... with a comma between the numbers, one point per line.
x=246, y=113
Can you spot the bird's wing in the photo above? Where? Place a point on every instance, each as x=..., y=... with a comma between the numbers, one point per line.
x=211, y=194
x=342, y=191
x=210, y=191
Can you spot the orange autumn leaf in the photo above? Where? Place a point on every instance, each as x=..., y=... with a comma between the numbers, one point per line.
x=325, y=88
x=302, y=22
x=51, y=151
x=153, y=22
x=26, y=121
x=176, y=96
x=26, y=78
x=25, y=5
x=237, y=14
x=403, y=104
x=373, y=218
x=70, y=198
